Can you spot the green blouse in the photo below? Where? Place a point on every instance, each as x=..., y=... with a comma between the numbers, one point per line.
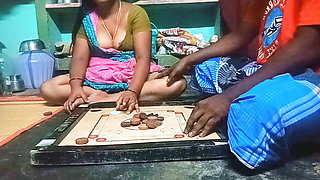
x=138, y=21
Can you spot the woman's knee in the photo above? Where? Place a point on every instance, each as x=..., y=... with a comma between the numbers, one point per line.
x=178, y=87
x=52, y=92
x=47, y=89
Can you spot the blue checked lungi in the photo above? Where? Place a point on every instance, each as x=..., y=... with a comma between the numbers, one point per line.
x=267, y=120
x=216, y=74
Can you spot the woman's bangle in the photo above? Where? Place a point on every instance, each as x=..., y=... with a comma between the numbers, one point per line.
x=75, y=78
x=135, y=92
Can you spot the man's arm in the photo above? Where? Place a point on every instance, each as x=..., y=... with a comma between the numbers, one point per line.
x=301, y=52
x=227, y=45
x=236, y=40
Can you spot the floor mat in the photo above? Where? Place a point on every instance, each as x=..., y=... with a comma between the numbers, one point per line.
x=20, y=98
x=17, y=117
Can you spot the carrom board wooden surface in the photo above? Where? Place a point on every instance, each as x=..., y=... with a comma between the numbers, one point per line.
x=104, y=123
x=125, y=145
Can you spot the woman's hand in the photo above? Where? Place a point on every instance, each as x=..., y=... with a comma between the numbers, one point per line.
x=176, y=71
x=207, y=115
x=128, y=101
x=76, y=97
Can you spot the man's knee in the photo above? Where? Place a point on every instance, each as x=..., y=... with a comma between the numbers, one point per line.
x=256, y=131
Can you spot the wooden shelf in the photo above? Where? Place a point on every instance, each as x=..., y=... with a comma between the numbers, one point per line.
x=141, y=2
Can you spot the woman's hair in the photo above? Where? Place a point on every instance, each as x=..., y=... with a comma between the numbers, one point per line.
x=86, y=7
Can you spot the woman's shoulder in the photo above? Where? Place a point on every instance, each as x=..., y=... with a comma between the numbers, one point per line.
x=136, y=10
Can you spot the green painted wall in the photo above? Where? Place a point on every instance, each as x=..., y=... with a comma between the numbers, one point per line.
x=17, y=23
x=197, y=18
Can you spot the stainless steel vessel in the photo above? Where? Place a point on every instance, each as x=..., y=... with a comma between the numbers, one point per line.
x=16, y=83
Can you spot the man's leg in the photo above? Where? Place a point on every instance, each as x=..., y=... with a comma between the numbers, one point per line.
x=264, y=122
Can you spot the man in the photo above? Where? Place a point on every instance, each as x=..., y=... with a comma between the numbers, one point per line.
x=279, y=104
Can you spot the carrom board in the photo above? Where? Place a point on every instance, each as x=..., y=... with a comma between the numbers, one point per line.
x=109, y=142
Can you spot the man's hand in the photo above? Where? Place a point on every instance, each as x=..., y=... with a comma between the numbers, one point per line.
x=128, y=101
x=176, y=71
x=207, y=115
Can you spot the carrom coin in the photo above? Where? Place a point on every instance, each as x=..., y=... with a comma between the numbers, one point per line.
x=48, y=113
x=152, y=117
x=158, y=123
x=144, y=121
x=92, y=136
x=82, y=140
x=143, y=127
x=170, y=110
x=151, y=124
x=178, y=113
x=160, y=118
x=126, y=123
x=101, y=139
x=179, y=136
x=143, y=115
x=135, y=121
x=136, y=116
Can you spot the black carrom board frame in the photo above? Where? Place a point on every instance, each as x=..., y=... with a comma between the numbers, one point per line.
x=45, y=153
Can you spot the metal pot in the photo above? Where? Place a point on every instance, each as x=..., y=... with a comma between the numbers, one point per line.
x=17, y=84
x=31, y=45
x=2, y=46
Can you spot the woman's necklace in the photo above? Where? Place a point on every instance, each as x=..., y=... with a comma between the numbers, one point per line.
x=117, y=24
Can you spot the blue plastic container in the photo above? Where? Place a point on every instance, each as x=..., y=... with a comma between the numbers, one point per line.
x=35, y=67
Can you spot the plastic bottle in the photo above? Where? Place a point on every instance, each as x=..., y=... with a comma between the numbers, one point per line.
x=5, y=81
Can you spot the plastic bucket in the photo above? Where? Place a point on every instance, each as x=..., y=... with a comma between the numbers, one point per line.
x=35, y=68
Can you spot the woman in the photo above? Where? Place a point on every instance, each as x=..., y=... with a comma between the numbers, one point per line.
x=111, y=60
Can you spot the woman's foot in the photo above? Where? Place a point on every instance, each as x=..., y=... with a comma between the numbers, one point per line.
x=101, y=96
